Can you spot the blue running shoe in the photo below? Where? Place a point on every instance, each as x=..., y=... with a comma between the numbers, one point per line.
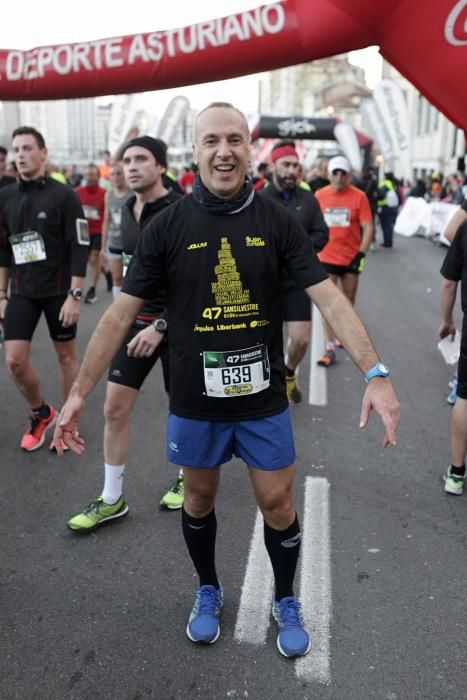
x=292, y=640
x=203, y=625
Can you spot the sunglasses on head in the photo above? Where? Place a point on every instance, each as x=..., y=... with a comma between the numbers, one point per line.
x=338, y=170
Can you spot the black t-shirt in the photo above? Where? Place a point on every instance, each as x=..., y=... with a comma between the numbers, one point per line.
x=464, y=204
x=46, y=211
x=454, y=267
x=223, y=276
x=131, y=233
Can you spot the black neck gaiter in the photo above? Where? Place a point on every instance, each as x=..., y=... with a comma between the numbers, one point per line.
x=217, y=205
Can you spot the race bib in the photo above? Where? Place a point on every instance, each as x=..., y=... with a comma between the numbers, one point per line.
x=116, y=216
x=28, y=247
x=236, y=372
x=91, y=212
x=126, y=262
x=337, y=216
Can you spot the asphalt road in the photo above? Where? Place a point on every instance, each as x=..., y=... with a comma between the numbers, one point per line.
x=104, y=616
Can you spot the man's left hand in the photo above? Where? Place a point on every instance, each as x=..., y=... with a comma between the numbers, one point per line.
x=69, y=313
x=381, y=397
x=357, y=263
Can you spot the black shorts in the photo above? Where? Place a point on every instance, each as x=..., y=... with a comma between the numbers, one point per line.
x=23, y=313
x=296, y=302
x=462, y=366
x=96, y=241
x=132, y=371
x=337, y=270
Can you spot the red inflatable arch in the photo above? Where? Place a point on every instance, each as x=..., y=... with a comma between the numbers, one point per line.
x=426, y=40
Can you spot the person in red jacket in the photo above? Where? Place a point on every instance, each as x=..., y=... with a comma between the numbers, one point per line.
x=92, y=198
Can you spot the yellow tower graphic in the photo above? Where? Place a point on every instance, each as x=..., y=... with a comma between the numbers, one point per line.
x=228, y=289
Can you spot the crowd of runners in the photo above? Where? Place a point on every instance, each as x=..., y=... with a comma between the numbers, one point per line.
x=204, y=279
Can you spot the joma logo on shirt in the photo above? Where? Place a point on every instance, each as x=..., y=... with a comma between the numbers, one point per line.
x=195, y=246
x=254, y=242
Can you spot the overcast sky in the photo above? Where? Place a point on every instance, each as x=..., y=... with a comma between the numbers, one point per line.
x=32, y=23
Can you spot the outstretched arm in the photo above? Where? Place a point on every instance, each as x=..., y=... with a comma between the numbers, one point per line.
x=341, y=316
x=105, y=341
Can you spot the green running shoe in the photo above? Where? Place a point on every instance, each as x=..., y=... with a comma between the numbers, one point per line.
x=453, y=484
x=97, y=513
x=173, y=499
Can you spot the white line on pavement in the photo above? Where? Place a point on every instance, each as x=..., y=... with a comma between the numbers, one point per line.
x=315, y=580
x=318, y=395
x=256, y=599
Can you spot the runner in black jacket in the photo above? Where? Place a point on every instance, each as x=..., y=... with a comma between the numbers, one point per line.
x=43, y=252
x=302, y=203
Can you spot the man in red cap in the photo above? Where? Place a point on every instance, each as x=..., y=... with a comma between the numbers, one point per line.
x=284, y=189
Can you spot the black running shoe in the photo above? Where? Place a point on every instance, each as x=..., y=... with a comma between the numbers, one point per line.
x=90, y=297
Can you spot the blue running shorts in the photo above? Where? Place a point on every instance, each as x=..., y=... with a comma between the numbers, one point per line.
x=264, y=443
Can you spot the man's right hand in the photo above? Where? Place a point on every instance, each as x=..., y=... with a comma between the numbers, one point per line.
x=66, y=428
x=447, y=328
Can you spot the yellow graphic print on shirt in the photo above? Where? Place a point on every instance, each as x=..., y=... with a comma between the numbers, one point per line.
x=232, y=301
x=228, y=289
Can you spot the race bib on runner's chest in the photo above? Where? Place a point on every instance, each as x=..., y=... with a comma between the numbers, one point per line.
x=236, y=372
x=91, y=213
x=28, y=247
x=116, y=216
x=337, y=216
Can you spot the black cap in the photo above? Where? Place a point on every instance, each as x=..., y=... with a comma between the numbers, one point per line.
x=156, y=146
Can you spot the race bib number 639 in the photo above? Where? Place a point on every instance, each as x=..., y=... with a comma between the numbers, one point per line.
x=236, y=372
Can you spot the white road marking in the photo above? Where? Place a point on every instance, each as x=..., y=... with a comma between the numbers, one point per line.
x=318, y=395
x=315, y=580
x=255, y=603
x=253, y=618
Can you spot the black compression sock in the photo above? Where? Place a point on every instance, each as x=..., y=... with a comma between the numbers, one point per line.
x=458, y=471
x=283, y=548
x=200, y=538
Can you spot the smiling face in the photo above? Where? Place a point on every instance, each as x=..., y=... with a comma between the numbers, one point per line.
x=30, y=158
x=221, y=150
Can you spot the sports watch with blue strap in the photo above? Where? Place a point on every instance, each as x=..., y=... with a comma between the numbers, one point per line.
x=378, y=370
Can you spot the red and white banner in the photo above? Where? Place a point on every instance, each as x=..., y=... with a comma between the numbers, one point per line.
x=121, y=120
x=176, y=111
x=374, y=125
x=392, y=108
x=347, y=140
x=420, y=38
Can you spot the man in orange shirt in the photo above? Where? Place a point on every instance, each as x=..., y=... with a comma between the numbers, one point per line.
x=347, y=213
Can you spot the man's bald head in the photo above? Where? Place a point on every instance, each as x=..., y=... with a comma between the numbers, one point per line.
x=217, y=105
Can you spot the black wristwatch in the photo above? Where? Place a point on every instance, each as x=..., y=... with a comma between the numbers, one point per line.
x=160, y=324
x=76, y=293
